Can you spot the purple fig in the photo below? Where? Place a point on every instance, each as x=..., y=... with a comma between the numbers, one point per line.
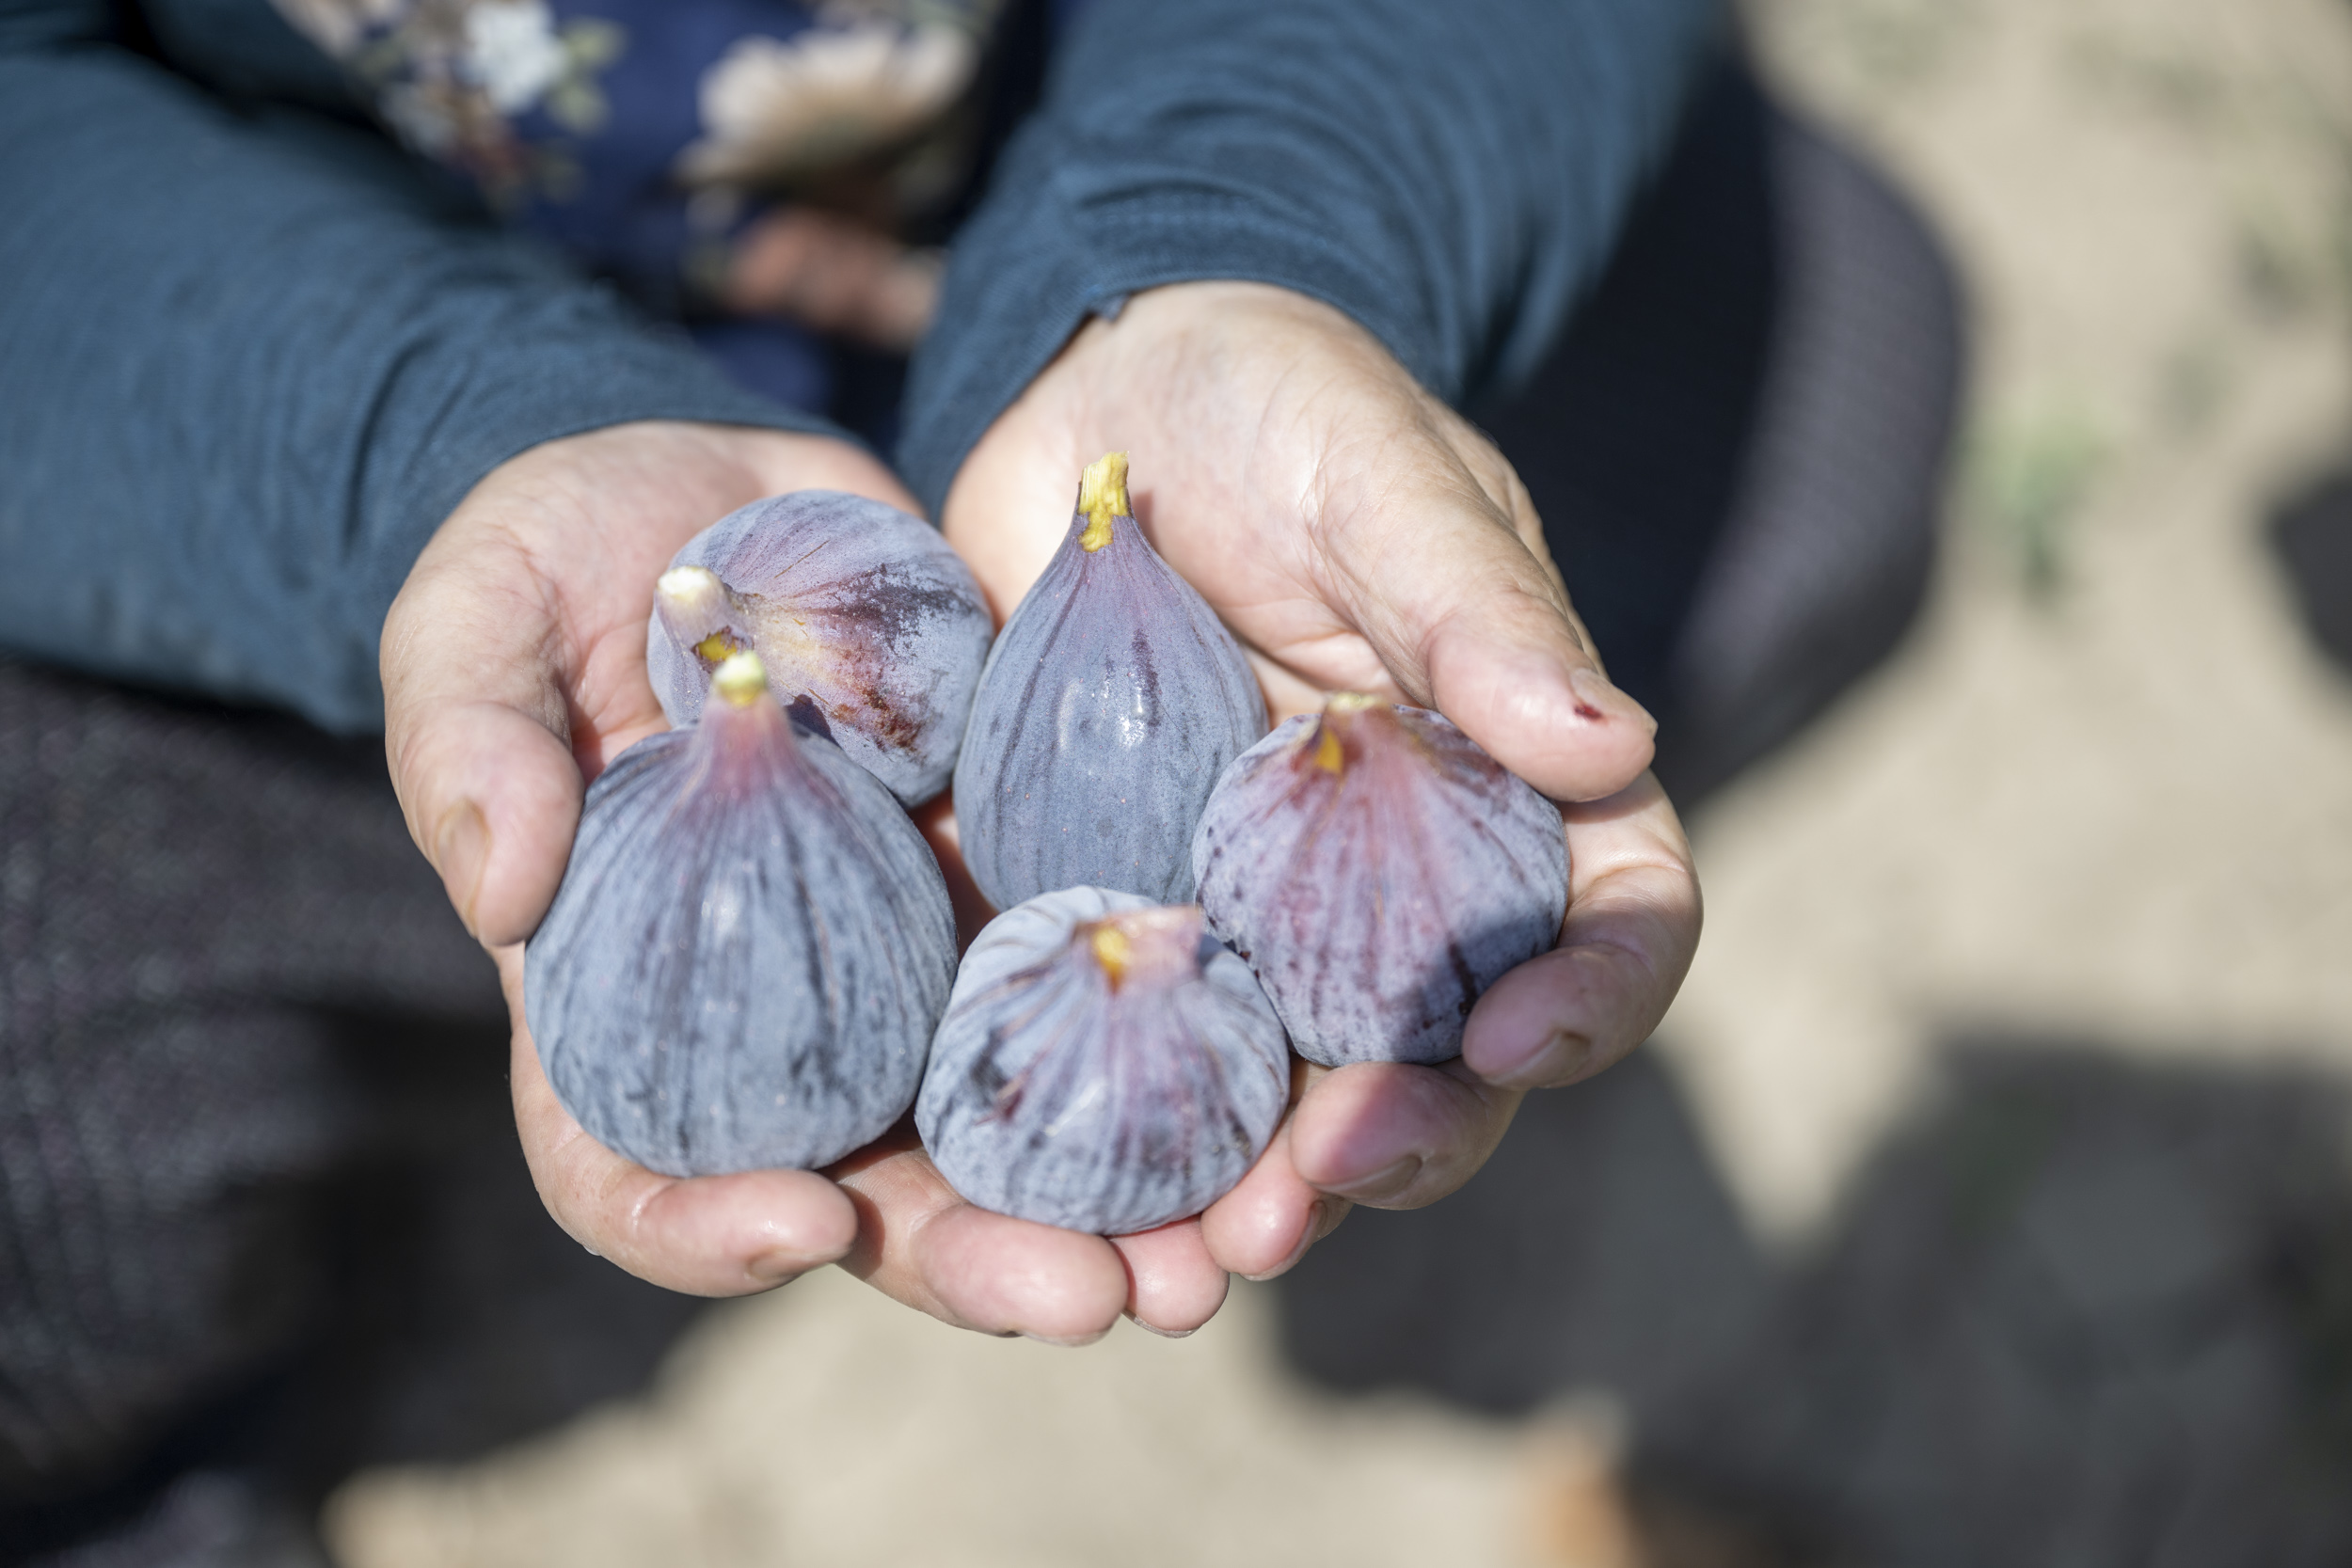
x=871, y=628
x=1111, y=700
x=1378, y=870
x=749, y=951
x=1103, y=1066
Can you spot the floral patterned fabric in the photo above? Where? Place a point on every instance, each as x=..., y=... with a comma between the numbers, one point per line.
x=323, y=354
x=648, y=137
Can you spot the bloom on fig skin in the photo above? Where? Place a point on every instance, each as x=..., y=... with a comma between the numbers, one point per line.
x=871, y=627
x=1378, y=870
x=1111, y=700
x=1103, y=1066
x=749, y=951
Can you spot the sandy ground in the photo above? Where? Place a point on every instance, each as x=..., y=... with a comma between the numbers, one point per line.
x=2102, y=794
x=2110, y=794
x=822, y=1426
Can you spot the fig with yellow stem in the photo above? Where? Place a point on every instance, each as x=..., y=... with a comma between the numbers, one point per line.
x=1103, y=1066
x=750, y=949
x=1378, y=870
x=1110, y=703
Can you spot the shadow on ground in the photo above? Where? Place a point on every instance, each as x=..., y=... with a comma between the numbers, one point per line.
x=2080, y=1311
x=2311, y=537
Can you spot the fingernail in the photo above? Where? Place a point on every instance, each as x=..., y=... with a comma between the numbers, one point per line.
x=1307, y=1235
x=1154, y=1328
x=461, y=846
x=1384, y=1183
x=1597, y=700
x=1071, y=1341
x=1556, y=1061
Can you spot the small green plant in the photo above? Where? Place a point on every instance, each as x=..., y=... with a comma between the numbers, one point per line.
x=2029, y=476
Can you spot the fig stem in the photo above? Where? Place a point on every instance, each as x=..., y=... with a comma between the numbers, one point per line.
x=742, y=680
x=1102, y=496
x=1147, y=946
x=1329, y=756
x=1112, y=950
x=683, y=585
x=685, y=595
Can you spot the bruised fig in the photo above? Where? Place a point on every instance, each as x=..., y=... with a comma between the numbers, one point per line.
x=748, y=954
x=1111, y=700
x=871, y=625
x=1378, y=870
x=1103, y=1066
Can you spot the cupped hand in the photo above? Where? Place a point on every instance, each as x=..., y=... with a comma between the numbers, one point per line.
x=1357, y=534
x=514, y=668
x=514, y=672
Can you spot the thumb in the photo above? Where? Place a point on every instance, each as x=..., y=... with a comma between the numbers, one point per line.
x=475, y=733
x=514, y=653
x=1471, y=621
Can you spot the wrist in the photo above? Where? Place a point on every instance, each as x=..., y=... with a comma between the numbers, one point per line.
x=1186, y=376
x=1222, y=332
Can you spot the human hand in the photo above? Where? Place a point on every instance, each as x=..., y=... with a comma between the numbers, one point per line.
x=1358, y=535
x=833, y=274
x=514, y=671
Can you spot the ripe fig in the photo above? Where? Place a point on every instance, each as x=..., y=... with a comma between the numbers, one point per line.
x=1111, y=700
x=871, y=625
x=1103, y=1066
x=749, y=951
x=1378, y=870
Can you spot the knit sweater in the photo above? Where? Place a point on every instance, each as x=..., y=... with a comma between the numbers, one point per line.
x=252, y=351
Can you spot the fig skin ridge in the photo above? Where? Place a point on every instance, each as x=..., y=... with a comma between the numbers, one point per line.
x=1112, y=699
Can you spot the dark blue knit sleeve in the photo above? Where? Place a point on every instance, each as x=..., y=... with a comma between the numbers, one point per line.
x=249, y=359
x=1449, y=175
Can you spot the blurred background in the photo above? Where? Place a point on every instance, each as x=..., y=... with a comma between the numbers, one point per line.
x=1987, y=1197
